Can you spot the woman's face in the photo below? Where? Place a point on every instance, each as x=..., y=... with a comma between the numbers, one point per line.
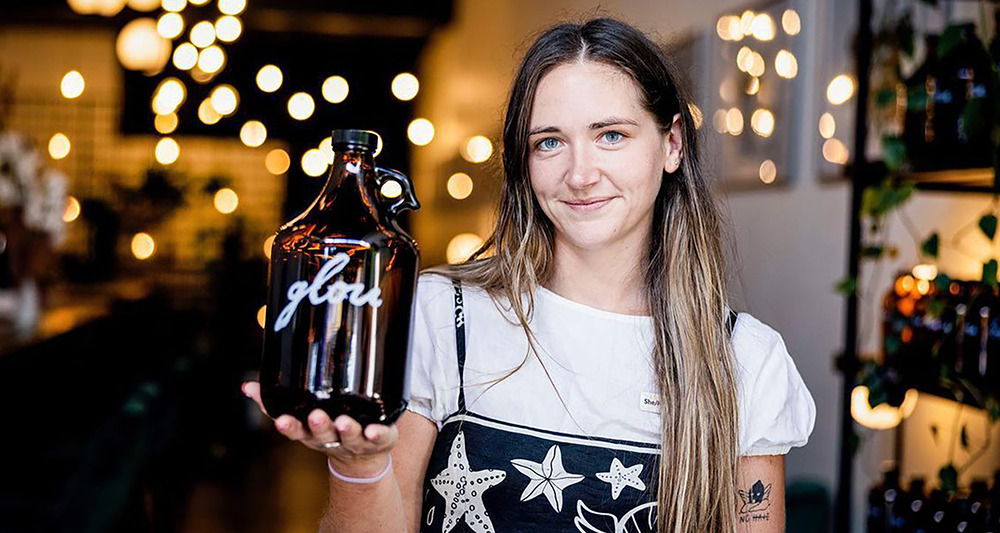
x=596, y=155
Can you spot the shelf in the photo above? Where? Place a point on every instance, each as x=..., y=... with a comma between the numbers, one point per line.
x=967, y=180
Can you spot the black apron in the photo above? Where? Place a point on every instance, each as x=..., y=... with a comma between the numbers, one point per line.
x=486, y=475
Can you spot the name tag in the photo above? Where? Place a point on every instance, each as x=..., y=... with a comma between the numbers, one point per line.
x=649, y=402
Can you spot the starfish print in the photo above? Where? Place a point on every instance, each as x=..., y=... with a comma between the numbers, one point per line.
x=462, y=490
x=548, y=477
x=620, y=477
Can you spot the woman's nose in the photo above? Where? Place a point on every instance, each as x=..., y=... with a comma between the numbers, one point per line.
x=583, y=171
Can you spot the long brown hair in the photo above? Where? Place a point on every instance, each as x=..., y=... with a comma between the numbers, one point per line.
x=684, y=273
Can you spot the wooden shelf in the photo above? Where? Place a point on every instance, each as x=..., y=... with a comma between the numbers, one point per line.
x=966, y=180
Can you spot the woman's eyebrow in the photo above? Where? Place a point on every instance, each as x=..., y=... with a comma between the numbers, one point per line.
x=612, y=121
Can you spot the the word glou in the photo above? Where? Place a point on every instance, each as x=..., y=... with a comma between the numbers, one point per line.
x=335, y=292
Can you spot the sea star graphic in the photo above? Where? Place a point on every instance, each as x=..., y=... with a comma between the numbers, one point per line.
x=462, y=490
x=548, y=477
x=620, y=477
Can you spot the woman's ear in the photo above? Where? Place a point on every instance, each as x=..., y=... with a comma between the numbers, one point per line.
x=673, y=146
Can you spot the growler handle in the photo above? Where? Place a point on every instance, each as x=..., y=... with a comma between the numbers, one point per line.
x=406, y=200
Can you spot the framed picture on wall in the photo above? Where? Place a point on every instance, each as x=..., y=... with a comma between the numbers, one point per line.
x=744, y=73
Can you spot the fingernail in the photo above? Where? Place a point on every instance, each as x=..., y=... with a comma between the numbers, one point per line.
x=341, y=427
x=243, y=388
x=283, y=425
x=316, y=422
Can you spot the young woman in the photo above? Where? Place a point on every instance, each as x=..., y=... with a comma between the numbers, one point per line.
x=583, y=371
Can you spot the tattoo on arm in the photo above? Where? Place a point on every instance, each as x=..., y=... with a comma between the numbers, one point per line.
x=755, y=503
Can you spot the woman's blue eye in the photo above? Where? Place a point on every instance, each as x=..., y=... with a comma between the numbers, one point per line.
x=612, y=136
x=547, y=145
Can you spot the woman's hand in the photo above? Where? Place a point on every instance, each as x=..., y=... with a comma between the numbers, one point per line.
x=361, y=453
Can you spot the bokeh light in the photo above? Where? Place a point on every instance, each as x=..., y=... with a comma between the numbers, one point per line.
x=203, y=34
x=313, y=163
x=253, y=133
x=143, y=246
x=459, y=186
x=207, y=113
x=461, y=246
x=211, y=59
x=165, y=124
x=226, y=200
x=767, y=171
x=785, y=64
x=405, y=86
x=762, y=122
x=232, y=7
x=835, y=152
x=420, y=132
x=140, y=47
x=477, y=149
x=391, y=189
x=185, y=56
x=301, y=106
x=59, y=146
x=228, y=28
x=72, y=210
x=225, y=100
x=277, y=161
x=269, y=78
x=335, y=89
x=827, y=126
x=175, y=6
x=167, y=151
x=170, y=25
x=790, y=22
x=840, y=89
x=72, y=84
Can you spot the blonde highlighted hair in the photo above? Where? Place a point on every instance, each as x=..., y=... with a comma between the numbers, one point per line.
x=685, y=283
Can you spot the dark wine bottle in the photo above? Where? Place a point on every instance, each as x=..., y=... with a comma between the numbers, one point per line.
x=340, y=295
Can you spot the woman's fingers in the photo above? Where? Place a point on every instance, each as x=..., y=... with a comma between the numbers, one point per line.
x=290, y=427
x=322, y=429
x=251, y=389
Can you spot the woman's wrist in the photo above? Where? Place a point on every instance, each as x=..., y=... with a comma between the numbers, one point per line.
x=364, y=471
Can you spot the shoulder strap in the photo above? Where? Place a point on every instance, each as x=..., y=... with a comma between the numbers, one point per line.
x=731, y=322
x=460, y=341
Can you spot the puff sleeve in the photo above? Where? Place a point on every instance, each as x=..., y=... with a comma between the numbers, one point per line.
x=425, y=371
x=777, y=412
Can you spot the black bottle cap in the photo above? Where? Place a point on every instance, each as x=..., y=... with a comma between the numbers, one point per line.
x=354, y=139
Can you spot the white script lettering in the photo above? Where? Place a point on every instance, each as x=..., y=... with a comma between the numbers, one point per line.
x=336, y=292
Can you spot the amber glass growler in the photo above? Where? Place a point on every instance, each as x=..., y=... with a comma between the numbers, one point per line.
x=341, y=290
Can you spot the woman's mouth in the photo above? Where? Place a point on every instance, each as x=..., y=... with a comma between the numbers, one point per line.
x=584, y=206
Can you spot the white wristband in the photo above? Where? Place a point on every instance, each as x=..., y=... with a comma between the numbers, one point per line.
x=375, y=479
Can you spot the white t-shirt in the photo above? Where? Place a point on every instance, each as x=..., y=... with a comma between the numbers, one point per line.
x=600, y=363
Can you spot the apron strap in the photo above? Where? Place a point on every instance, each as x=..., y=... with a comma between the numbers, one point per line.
x=460, y=341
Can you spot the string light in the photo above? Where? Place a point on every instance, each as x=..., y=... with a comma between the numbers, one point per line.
x=827, y=125
x=72, y=84
x=170, y=25
x=461, y=246
x=762, y=122
x=835, y=152
x=790, y=22
x=728, y=28
x=253, y=133
x=391, y=189
x=301, y=106
x=72, y=211
x=165, y=124
x=460, y=186
x=225, y=100
x=143, y=246
x=785, y=64
x=762, y=27
x=477, y=149
x=59, y=146
x=228, y=28
x=175, y=6
x=269, y=78
x=226, y=201
x=207, y=113
x=840, y=89
x=405, y=86
x=167, y=151
x=753, y=86
x=211, y=59
x=185, y=56
x=767, y=171
x=232, y=7
x=734, y=121
x=882, y=416
x=140, y=47
x=335, y=89
x=203, y=34
x=168, y=96
x=277, y=161
x=420, y=132
x=313, y=163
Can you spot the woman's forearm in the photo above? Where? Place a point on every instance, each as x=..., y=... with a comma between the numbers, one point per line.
x=371, y=508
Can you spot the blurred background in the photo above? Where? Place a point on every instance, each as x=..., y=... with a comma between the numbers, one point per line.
x=150, y=148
